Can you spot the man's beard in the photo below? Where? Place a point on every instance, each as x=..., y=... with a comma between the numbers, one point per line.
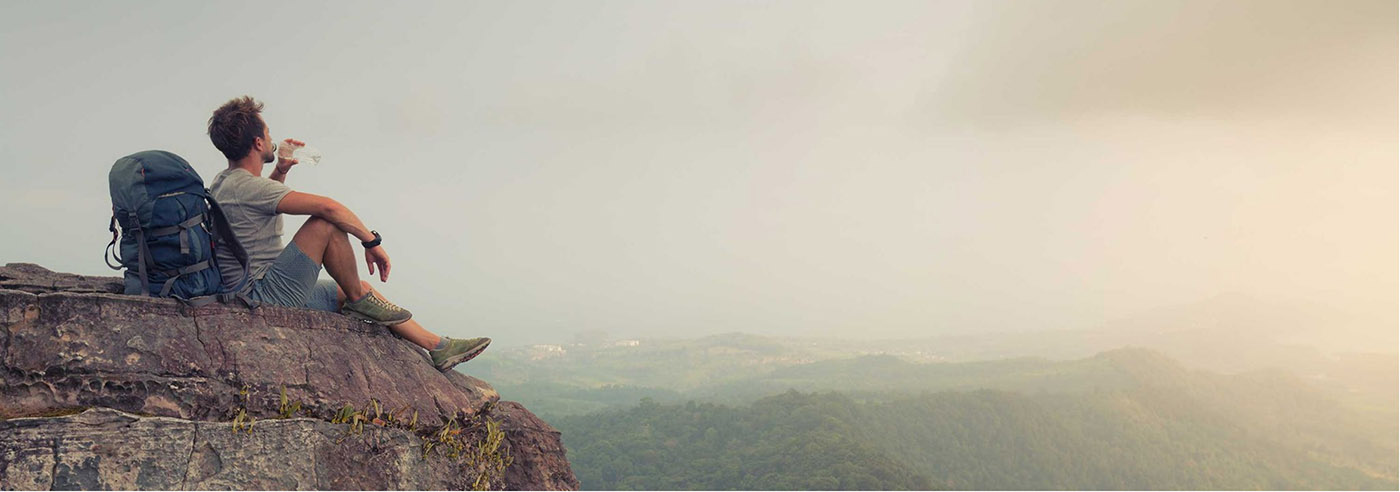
x=269, y=156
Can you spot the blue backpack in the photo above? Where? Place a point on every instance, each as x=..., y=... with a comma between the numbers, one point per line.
x=169, y=227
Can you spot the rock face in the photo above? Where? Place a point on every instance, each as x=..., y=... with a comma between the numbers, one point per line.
x=101, y=390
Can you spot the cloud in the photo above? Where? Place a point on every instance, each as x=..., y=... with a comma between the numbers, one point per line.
x=1073, y=59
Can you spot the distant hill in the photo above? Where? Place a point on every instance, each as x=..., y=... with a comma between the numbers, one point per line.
x=1223, y=394
x=1111, y=370
x=771, y=445
x=736, y=368
x=1124, y=419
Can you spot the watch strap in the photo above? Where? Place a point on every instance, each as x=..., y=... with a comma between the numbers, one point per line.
x=370, y=244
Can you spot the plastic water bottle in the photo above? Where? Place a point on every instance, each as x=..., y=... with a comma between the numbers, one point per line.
x=304, y=154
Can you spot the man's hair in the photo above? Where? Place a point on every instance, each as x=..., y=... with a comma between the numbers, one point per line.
x=234, y=126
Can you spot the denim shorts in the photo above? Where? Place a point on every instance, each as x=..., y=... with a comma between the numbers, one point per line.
x=291, y=281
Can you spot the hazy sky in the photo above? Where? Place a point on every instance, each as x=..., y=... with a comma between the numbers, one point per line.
x=880, y=169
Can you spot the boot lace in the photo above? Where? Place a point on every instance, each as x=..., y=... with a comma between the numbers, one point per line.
x=383, y=303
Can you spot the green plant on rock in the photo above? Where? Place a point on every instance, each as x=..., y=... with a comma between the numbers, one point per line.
x=373, y=413
x=478, y=447
x=445, y=437
x=396, y=419
x=348, y=415
x=485, y=458
x=404, y=418
x=287, y=408
x=242, y=421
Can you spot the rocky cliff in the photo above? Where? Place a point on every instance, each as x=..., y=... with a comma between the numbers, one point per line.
x=106, y=391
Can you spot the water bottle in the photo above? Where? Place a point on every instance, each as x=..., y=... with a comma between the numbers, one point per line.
x=304, y=154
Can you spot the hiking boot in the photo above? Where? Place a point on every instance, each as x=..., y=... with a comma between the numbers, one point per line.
x=373, y=308
x=457, y=352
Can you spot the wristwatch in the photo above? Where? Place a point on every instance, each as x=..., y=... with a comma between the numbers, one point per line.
x=375, y=242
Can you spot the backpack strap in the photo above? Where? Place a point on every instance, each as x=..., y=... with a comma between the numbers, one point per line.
x=183, y=229
x=109, y=255
x=224, y=298
x=242, y=296
x=223, y=233
x=143, y=253
x=176, y=274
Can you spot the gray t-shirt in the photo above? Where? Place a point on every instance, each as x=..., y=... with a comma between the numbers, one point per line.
x=250, y=203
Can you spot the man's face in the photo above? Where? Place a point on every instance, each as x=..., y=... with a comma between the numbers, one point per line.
x=267, y=154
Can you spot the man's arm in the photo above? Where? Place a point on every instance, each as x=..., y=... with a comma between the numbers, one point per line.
x=332, y=211
x=278, y=175
x=297, y=203
x=284, y=166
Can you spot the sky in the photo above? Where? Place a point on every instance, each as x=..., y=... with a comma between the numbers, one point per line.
x=542, y=171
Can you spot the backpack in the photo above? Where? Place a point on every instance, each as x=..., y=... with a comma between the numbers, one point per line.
x=169, y=229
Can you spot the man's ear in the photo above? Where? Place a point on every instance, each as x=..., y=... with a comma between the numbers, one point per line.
x=259, y=145
x=255, y=149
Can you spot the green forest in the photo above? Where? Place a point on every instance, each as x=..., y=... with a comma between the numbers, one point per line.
x=1122, y=419
x=957, y=440
x=786, y=443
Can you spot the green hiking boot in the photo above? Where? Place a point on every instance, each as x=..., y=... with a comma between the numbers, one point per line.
x=373, y=308
x=457, y=352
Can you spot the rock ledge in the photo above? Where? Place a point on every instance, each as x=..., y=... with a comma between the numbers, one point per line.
x=97, y=387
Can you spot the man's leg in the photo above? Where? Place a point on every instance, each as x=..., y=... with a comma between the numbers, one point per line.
x=443, y=352
x=329, y=246
x=410, y=330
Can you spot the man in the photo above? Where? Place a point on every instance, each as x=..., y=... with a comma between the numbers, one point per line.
x=287, y=276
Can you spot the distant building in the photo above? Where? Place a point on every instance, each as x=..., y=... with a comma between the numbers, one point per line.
x=538, y=352
x=628, y=343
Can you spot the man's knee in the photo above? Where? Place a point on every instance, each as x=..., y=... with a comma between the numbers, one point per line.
x=321, y=226
x=314, y=238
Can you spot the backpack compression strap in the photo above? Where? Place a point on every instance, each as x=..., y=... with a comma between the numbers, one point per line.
x=108, y=256
x=143, y=254
x=182, y=229
x=175, y=274
x=225, y=298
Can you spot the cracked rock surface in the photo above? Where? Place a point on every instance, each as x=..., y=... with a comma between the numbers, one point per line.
x=107, y=449
x=148, y=373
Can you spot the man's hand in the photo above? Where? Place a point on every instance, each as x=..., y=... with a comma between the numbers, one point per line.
x=377, y=256
x=284, y=165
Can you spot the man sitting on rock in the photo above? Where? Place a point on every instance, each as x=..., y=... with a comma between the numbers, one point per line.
x=288, y=276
